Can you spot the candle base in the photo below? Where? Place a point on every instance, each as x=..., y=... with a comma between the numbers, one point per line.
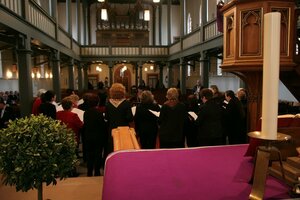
x=261, y=165
x=259, y=135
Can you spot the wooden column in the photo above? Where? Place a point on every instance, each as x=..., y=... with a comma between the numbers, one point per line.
x=85, y=76
x=71, y=73
x=24, y=69
x=55, y=66
x=80, y=83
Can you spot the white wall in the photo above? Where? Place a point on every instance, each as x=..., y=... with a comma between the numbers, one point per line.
x=41, y=84
x=225, y=83
x=9, y=84
x=284, y=93
x=13, y=85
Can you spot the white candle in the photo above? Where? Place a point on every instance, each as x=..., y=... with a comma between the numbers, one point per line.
x=270, y=75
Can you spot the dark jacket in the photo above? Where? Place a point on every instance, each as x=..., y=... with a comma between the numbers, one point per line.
x=173, y=116
x=118, y=116
x=8, y=114
x=48, y=109
x=234, y=118
x=146, y=124
x=209, y=121
x=94, y=127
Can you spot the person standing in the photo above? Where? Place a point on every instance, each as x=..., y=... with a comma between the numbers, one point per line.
x=172, y=119
x=102, y=93
x=197, y=88
x=47, y=107
x=234, y=117
x=95, y=131
x=191, y=128
x=218, y=96
x=37, y=102
x=209, y=121
x=118, y=112
x=106, y=84
x=6, y=113
x=145, y=122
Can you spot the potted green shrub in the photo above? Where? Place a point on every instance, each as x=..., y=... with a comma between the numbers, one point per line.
x=34, y=150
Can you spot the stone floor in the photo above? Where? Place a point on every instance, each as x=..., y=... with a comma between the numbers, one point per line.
x=79, y=188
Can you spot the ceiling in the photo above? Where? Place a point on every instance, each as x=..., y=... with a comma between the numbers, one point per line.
x=143, y=1
x=7, y=37
x=175, y=2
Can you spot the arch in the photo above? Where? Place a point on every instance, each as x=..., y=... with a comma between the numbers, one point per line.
x=123, y=77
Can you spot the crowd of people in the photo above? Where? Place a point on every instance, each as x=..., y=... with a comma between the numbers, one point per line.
x=207, y=117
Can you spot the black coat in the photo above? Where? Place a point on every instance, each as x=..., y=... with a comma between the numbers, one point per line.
x=172, y=119
x=95, y=128
x=209, y=123
x=8, y=114
x=118, y=116
x=234, y=118
x=146, y=125
x=48, y=109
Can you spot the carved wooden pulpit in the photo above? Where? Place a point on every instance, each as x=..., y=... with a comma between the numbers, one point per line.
x=243, y=45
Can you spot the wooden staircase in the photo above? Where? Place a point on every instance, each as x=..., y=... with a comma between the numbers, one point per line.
x=291, y=170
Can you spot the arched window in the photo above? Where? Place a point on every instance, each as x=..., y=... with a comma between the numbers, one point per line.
x=189, y=23
x=189, y=68
x=219, y=69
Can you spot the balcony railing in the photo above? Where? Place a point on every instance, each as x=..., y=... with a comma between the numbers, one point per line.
x=75, y=47
x=211, y=30
x=64, y=38
x=44, y=22
x=13, y=5
x=192, y=39
x=175, y=48
x=94, y=51
x=41, y=20
x=124, y=51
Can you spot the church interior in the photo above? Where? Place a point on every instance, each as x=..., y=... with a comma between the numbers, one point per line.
x=78, y=45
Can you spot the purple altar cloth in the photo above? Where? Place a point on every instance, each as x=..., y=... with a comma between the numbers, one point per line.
x=210, y=173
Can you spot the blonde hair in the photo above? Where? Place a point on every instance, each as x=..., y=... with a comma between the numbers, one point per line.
x=74, y=98
x=147, y=97
x=117, y=91
x=172, y=94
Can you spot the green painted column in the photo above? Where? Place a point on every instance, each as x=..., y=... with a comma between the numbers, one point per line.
x=24, y=68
